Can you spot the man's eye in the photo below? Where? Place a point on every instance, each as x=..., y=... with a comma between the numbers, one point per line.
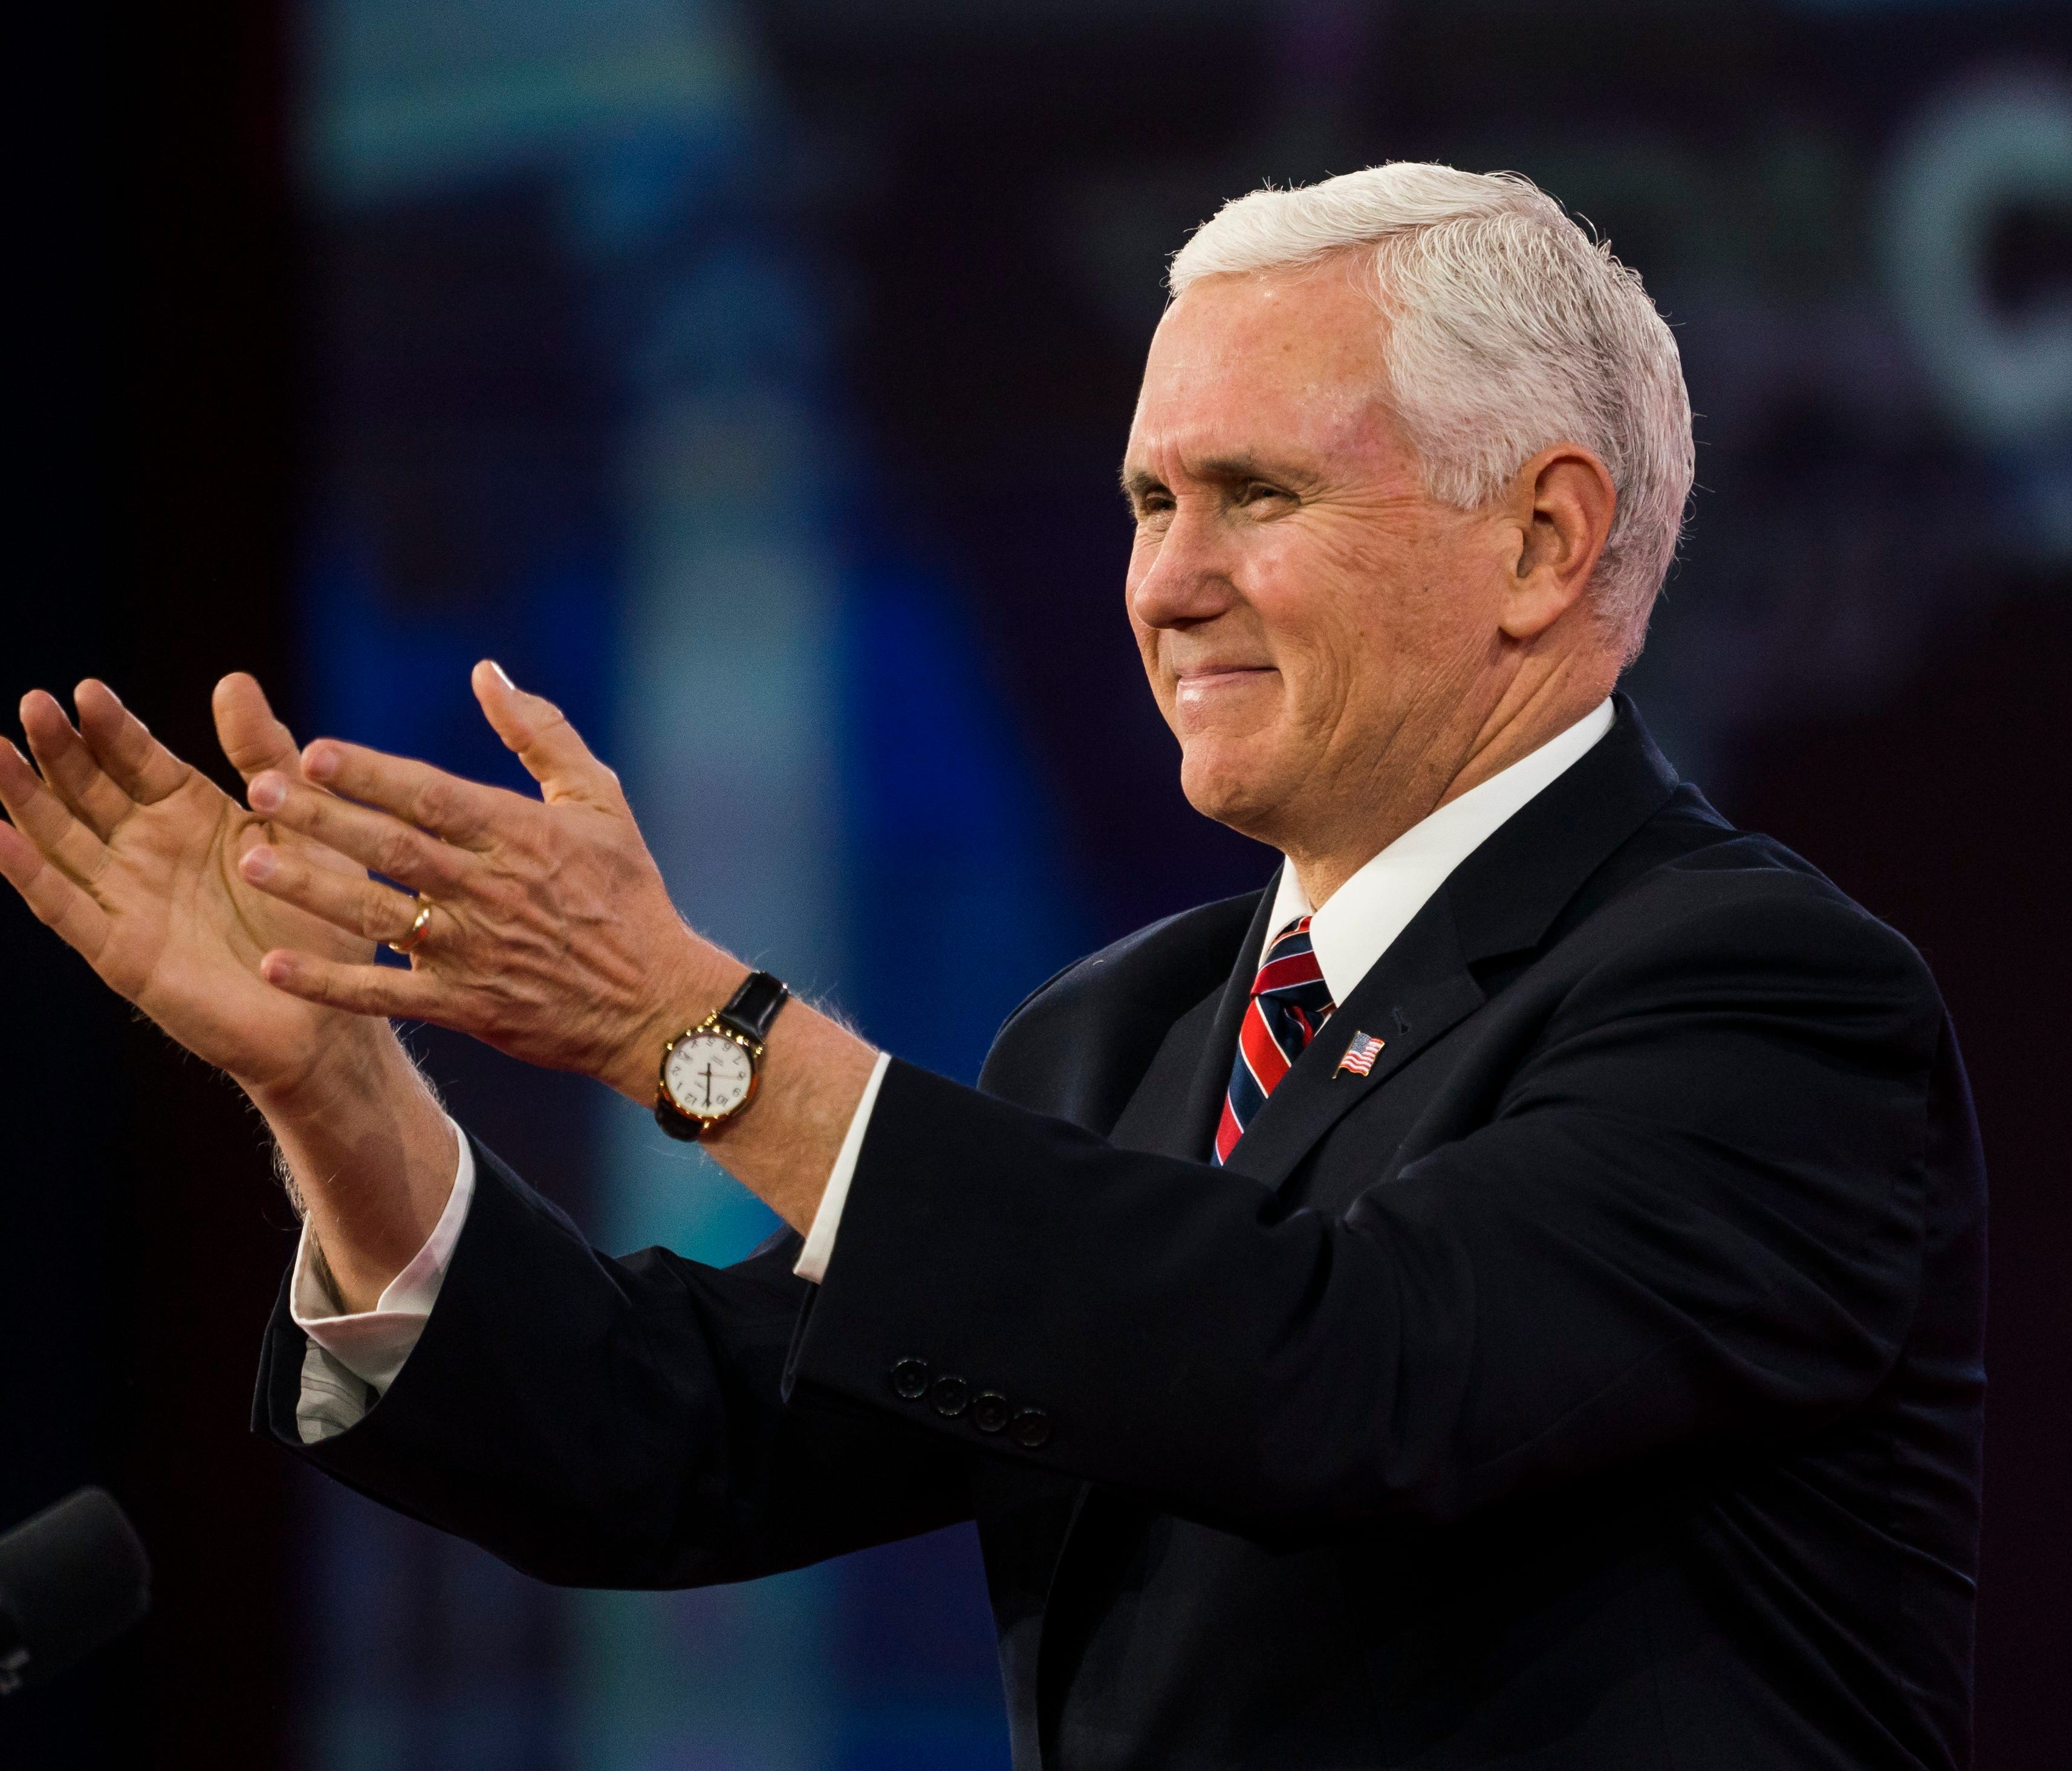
x=1258, y=491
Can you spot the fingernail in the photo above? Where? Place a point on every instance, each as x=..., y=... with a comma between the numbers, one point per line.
x=503, y=675
x=320, y=762
x=268, y=792
x=276, y=969
x=259, y=864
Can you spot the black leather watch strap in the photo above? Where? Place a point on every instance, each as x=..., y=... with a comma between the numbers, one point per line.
x=751, y=1009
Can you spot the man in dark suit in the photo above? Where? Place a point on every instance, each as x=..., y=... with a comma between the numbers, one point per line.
x=1507, y=1294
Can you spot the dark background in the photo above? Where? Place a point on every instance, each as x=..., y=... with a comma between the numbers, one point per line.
x=1864, y=650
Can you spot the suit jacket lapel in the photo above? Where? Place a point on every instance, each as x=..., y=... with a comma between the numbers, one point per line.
x=1501, y=899
x=1416, y=990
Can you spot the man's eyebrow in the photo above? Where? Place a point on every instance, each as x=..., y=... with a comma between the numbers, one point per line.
x=1236, y=469
x=1233, y=470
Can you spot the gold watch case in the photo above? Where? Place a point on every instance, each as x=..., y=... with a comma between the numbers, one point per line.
x=688, y=1120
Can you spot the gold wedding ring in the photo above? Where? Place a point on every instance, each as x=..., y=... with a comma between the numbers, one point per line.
x=415, y=939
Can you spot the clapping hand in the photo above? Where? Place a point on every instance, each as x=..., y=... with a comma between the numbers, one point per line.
x=132, y=856
x=542, y=926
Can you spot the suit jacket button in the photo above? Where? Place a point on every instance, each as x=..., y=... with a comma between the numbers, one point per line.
x=989, y=1410
x=949, y=1396
x=910, y=1378
x=1031, y=1428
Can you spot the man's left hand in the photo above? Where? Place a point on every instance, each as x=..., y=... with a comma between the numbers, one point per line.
x=546, y=929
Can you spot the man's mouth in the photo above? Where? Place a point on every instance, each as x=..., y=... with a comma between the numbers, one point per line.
x=1212, y=679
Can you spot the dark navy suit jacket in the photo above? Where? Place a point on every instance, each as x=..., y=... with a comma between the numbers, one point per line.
x=1594, y=1383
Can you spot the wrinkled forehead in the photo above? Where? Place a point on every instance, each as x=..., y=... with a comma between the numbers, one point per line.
x=1260, y=362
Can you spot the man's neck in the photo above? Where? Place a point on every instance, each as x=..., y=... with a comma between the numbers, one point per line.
x=1500, y=745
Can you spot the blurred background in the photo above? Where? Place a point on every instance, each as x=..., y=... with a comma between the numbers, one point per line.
x=750, y=377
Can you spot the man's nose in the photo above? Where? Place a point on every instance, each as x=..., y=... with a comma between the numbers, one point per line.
x=1190, y=576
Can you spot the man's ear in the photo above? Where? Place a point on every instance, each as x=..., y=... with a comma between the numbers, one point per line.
x=1561, y=506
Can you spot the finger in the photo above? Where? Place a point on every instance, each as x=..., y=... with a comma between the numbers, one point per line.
x=351, y=902
x=57, y=901
x=46, y=820
x=462, y=811
x=384, y=990
x=122, y=744
x=372, y=838
x=538, y=732
x=69, y=767
x=253, y=739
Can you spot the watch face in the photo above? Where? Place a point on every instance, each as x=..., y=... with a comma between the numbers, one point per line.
x=708, y=1075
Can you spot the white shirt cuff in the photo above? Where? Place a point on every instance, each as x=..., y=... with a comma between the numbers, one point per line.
x=353, y=1357
x=812, y=1262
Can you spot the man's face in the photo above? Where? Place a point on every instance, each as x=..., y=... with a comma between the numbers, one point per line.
x=1316, y=630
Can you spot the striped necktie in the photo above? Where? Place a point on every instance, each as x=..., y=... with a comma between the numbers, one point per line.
x=1289, y=1000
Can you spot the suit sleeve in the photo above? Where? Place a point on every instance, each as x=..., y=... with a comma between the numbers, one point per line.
x=1691, y=1211
x=618, y=1423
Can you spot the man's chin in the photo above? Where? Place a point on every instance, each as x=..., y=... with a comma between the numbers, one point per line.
x=1243, y=798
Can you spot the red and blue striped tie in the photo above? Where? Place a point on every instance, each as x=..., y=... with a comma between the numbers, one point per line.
x=1289, y=1000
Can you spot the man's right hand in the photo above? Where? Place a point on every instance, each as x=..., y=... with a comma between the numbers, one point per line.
x=131, y=856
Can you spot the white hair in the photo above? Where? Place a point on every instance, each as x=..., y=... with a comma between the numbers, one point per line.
x=1511, y=328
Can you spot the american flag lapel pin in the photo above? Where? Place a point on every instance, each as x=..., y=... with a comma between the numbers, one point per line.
x=1360, y=1054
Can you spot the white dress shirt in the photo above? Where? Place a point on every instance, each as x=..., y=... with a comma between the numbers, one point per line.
x=352, y=1359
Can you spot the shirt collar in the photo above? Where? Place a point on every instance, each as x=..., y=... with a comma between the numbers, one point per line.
x=1364, y=916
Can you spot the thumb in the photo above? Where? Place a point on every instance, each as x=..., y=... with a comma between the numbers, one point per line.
x=245, y=726
x=538, y=734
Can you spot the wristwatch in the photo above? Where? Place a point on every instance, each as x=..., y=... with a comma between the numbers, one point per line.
x=709, y=1071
